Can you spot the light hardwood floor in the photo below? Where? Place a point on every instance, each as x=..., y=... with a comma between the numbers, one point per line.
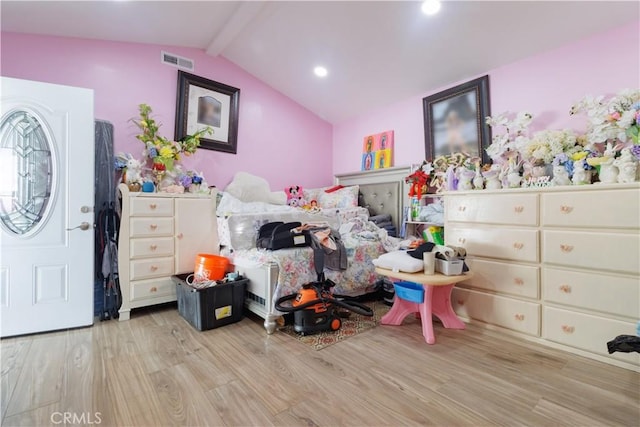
x=157, y=370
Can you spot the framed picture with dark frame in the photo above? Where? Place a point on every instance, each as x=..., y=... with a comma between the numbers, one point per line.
x=454, y=120
x=202, y=102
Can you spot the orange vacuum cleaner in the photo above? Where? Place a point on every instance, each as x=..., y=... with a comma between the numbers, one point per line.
x=315, y=308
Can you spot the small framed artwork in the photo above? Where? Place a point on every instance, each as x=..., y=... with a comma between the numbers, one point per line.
x=202, y=102
x=377, y=151
x=454, y=120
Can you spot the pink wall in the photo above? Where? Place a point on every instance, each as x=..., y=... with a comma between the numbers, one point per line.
x=545, y=85
x=277, y=138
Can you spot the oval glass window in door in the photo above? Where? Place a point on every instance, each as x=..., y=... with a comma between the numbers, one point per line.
x=26, y=172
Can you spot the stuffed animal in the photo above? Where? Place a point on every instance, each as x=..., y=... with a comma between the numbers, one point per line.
x=418, y=183
x=294, y=196
x=134, y=170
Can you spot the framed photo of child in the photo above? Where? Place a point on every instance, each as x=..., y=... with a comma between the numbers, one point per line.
x=454, y=120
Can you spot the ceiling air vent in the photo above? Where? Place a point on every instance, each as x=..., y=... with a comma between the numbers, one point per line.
x=176, y=61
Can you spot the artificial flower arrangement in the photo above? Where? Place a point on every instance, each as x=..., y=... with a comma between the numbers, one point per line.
x=161, y=157
x=510, y=134
x=545, y=145
x=163, y=152
x=190, y=180
x=616, y=118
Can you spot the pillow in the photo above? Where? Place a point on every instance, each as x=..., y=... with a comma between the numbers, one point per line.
x=310, y=194
x=399, y=261
x=251, y=188
x=230, y=205
x=344, y=198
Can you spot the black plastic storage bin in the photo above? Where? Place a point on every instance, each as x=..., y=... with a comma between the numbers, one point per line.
x=211, y=307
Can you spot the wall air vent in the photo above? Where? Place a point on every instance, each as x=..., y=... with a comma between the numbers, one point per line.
x=176, y=61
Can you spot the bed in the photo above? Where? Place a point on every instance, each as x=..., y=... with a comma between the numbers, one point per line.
x=277, y=273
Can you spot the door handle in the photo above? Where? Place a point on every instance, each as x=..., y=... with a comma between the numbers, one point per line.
x=84, y=226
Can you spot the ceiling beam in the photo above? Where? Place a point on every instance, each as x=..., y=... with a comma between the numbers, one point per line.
x=246, y=11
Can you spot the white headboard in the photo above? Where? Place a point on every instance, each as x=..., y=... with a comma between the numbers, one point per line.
x=382, y=190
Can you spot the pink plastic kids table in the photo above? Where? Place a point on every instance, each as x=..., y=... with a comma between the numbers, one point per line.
x=437, y=300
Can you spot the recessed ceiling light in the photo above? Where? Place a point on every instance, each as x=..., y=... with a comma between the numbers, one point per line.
x=320, y=71
x=431, y=7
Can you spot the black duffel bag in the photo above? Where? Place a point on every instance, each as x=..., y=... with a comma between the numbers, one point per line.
x=280, y=235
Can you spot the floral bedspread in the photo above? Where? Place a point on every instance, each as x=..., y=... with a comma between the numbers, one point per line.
x=363, y=242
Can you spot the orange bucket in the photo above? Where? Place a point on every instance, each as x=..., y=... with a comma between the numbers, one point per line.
x=210, y=267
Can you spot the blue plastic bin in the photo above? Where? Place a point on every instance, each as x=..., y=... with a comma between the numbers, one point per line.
x=409, y=291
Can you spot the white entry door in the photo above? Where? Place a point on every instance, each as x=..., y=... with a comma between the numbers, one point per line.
x=46, y=207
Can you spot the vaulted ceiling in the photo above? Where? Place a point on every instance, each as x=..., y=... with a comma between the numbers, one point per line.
x=376, y=52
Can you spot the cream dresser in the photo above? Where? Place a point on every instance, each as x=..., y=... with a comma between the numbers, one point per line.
x=558, y=265
x=160, y=235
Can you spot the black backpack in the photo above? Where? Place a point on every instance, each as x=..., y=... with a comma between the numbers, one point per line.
x=280, y=235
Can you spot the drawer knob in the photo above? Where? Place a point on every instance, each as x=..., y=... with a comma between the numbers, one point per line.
x=153, y=247
x=519, y=317
x=153, y=226
x=566, y=209
x=153, y=289
x=180, y=236
x=567, y=329
x=462, y=208
x=518, y=245
x=153, y=268
x=566, y=248
x=565, y=288
x=152, y=206
x=518, y=209
x=461, y=240
x=518, y=281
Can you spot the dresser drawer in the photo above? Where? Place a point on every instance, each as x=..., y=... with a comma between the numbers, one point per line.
x=602, y=251
x=610, y=208
x=513, y=244
x=594, y=291
x=513, y=209
x=586, y=332
x=506, y=312
x=148, y=268
x=148, y=227
x=150, y=206
x=155, y=288
x=146, y=248
x=502, y=277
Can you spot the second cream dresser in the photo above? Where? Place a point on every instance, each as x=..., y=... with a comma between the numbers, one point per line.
x=559, y=265
x=160, y=235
